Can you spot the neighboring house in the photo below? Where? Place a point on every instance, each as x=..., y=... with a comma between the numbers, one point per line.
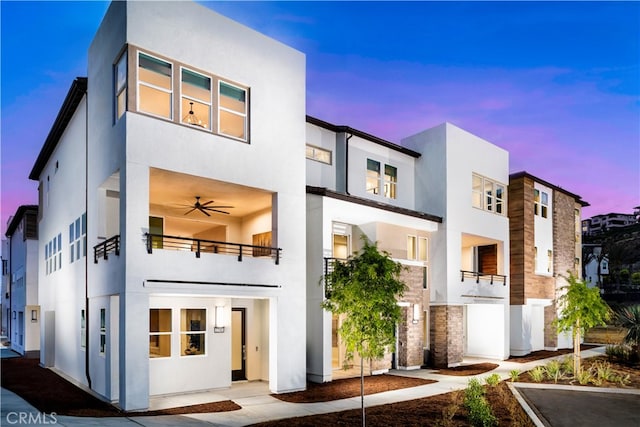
x=21, y=313
x=5, y=303
x=360, y=185
x=546, y=244
x=463, y=179
x=595, y=265
x=172, y=190
x=600, y=223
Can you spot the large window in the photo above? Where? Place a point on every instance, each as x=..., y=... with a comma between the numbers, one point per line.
x=207, y=101
x=232, y=117
x=53, y=254
x=196, y=99
x=155, y=87
x=193, y=330
x=488, y=195
x=83, y=329
x=121, y=85
x=160, y=332
x=318, y=154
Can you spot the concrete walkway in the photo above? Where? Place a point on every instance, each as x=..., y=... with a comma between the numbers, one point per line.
x=258, y=406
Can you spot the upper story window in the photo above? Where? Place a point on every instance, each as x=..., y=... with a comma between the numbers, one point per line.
x=78, y=238
x=206, y=101
x=488, y=195
x=540, y=203
x=318, y=154
x=53, y=254
x=373, y=180
x=232, y=116
x=121, y=85
x=390, y=181
x=373, y=177
x=155, y=86
x=196, y=99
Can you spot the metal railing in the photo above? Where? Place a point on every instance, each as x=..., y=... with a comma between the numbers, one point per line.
x=102, y=250
x=198, y=246
x=477, y=275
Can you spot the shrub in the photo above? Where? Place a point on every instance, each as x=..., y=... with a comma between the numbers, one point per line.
x=492, y=380
x=624, y=379
x=515, y=373
x=603, y=371
x=584, y=377
x=537, y=374
x=567, y=365
x=480, y=414
x=554, y=370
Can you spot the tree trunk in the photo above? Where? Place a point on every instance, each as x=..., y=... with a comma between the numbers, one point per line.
x=362, y=388
x=576, y=348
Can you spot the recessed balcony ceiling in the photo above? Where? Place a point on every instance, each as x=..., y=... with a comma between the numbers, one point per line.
x=172, y=193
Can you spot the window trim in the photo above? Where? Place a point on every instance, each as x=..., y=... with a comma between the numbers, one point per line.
x=163, y=333
x=244, y=114
x=489, y=201
x=102, y=344
x=208, y=103
x=123, y=58
x=189, y=332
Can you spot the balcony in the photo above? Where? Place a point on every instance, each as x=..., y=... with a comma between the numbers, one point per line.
x=199, y=246
x=102, y=250
x=485, y=277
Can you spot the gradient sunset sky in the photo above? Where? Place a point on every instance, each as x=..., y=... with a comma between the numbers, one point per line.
x=557, y=84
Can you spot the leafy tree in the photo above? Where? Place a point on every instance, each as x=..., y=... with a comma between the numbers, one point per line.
x=365, y=288
x=635, y=278
x=581, y=308
x=629, y=318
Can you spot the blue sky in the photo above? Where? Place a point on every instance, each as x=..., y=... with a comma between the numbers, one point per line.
x=557, y=84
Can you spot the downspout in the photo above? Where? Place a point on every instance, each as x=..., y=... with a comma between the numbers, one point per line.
x=346, y=163
x=86, y=258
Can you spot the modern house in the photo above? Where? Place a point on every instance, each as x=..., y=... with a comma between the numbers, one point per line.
x=20, y=310
x=189, y=210
x=172, y=243
x=595, y=265
x=358, y=186
x=546, y=244
x=463, y=179
x=598, y=224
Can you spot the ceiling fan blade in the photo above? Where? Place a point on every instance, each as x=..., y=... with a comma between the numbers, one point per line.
x=208, y=203
x=222, y=207
x=203, y=211
x=188, y=212
x=216, y=210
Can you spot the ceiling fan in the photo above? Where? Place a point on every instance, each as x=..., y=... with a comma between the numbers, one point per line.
x=204, y=207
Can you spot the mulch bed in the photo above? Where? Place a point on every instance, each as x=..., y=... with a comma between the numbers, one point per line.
x=49, y=392
x=543, y=354
x=350, y=387
x=465, y=370
x=442, y=409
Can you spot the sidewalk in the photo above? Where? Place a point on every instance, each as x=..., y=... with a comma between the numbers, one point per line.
x=258, y=406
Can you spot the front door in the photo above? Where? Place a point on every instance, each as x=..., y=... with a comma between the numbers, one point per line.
x=238, y=344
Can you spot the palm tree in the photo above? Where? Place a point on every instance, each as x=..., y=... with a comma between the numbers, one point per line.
x=629, y=318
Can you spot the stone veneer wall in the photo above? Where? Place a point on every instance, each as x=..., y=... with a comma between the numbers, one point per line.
x=446, y=335
x=410, y=351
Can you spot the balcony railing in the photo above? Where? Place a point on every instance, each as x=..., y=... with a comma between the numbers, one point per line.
x=499, y=278
x=329, y=264
x=198, y=246
x=102, y=250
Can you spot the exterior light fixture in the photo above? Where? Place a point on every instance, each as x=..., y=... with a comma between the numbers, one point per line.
x=416, y=313
x=219, y=325
x=191, y=118
x=34, y=315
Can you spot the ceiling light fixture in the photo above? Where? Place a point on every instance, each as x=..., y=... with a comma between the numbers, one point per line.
x=192, y=119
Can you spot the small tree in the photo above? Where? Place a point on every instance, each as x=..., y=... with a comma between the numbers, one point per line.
x=365, y=288
x=581, y=308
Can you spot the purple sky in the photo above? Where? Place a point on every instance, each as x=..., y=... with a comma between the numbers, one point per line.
x=557, y=84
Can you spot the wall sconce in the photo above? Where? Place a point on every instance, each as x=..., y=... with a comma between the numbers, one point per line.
x=416, y=313
x=34, y=315
x=219, y=325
